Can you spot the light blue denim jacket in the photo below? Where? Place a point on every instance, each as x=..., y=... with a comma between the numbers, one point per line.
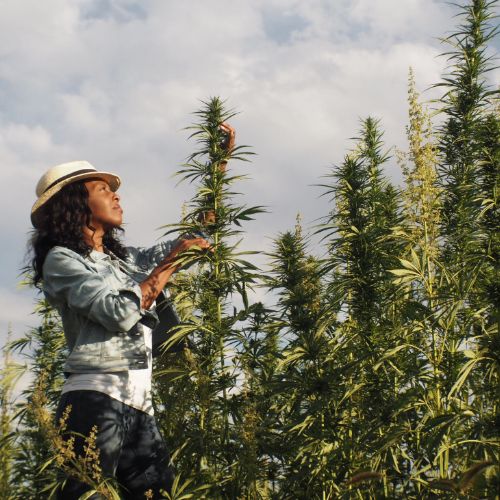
x=99, y=301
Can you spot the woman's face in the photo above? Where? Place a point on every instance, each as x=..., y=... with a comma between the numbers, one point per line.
x=104, y=205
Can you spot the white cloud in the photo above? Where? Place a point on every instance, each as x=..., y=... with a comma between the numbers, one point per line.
x=116, y=81
x=407, y=20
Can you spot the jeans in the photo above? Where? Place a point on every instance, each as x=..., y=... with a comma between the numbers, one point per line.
x=131, y=449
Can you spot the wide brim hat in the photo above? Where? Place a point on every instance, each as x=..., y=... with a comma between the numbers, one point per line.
x=61, y=175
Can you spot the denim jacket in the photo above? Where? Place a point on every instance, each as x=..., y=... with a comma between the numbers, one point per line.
x=99, y=301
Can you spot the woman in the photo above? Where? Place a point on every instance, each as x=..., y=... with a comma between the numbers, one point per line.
x=105, y=294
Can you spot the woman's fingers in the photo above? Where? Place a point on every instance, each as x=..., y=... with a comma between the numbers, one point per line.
x=231, y=135
x=228, y=128
x=228, y=143
x=186, y=244
x=201, y=242
x=207, y=217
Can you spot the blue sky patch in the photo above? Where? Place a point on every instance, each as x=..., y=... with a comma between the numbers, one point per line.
x=119, y=11
x=280, y=27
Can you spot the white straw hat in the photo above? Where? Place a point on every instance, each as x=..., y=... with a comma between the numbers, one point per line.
x=59, y=176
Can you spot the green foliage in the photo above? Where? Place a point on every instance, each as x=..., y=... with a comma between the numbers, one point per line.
x=467, y=100
x=372, y=372
x=307, y=399
x=362, y=248
x=10, y=373
x=211, y=372
x=44, y=348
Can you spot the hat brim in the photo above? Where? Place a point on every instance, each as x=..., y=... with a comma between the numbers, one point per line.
x=112, y=179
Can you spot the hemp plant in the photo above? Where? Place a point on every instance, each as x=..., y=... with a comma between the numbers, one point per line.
x=468, y=97
x=358, y=231
x=212, y=330
x=441, y=434
x=44, y=348
x=467, y=101
x=307, y=390
x=468, y=173
x=258, y=354
x=361, y=248
x=10, y=373
x=418, y=278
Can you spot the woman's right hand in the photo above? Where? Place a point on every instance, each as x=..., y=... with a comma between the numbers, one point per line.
x=186, y=244
x=159, y=277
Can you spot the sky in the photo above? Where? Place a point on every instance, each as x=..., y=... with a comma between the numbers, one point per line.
x=115, y=82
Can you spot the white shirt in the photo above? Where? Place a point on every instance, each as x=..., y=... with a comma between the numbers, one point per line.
x=132, y=387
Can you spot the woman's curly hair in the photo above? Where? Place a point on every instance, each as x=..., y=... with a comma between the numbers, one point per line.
x=61, y=220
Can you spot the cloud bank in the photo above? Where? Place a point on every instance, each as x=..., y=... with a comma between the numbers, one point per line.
x=115, y=82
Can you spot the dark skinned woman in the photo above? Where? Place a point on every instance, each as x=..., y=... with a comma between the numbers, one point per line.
x=105, y=294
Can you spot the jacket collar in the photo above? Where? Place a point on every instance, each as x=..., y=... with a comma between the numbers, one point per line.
x=96, y=256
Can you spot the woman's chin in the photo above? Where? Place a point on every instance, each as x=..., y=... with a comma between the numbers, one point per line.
x=114, y=224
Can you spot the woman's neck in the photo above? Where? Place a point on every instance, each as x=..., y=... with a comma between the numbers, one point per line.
x=93, y=237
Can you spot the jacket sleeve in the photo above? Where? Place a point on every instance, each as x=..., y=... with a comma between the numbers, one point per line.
x=148, y=258
x=68, y=279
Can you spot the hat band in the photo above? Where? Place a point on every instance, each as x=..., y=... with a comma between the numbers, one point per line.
x=64, y=177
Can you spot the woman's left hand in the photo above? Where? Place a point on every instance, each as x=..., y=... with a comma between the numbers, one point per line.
x=229, y=143
x=231, y=135
x=209, y=216
x=187, y=243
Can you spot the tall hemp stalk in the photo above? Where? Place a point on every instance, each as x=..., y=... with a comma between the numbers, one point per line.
x=307, y=390
x=442, y=426
x=208, y=440
x=360, y=251
x=468, y=103
x=465, y=104
x=486, y=359
x=424, y=337
x=483, y=365
x=467, y=97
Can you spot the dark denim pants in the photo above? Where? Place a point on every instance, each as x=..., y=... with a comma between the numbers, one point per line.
x=131, y=449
